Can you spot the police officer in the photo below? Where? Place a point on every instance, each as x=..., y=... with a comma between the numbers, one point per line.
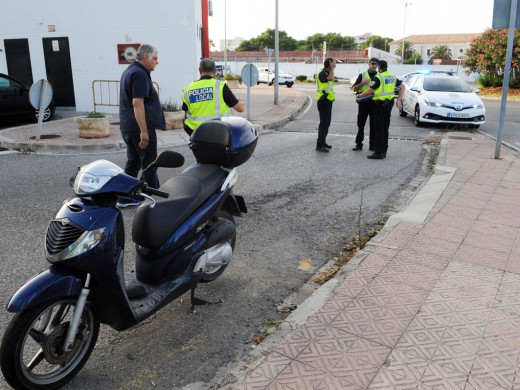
x=383, y=89
x=325, y=97
x=365, y=107
x=207, y=98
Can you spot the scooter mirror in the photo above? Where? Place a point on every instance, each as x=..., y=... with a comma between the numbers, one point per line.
x=168, y=159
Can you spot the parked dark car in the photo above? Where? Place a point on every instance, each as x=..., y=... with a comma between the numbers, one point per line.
x=14, y=102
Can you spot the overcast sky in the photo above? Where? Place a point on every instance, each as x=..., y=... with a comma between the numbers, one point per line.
x=301, y=18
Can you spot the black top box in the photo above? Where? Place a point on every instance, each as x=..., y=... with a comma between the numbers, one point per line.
x=229, y=141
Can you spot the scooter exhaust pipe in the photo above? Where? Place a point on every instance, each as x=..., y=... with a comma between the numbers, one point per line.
x=220, y=251
x=214, y=258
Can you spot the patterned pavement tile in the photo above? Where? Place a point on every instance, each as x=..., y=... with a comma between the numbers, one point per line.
x=494, y=370
x=443, y=233
x=489, y=242
x=494, y=228
x=399, y=372
x=483, y=257
x=263, y=375
x=444, y=375
x=298, y=376
x=505, y=218
x=295, y=343
x=329, y=311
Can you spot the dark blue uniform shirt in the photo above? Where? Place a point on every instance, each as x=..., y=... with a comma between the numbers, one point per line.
x=137, y=83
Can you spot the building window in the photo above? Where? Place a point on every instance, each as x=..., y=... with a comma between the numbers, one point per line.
x=428, y=52
x=461, y=51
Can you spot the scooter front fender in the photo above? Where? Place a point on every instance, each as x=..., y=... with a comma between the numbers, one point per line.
x=46, y=286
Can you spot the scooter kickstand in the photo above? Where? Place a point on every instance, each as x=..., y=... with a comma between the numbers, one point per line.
x=199, y=301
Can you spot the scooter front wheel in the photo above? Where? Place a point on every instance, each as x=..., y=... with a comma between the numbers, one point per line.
x=32, y=355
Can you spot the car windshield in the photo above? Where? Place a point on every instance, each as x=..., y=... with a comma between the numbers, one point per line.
x=446, y=85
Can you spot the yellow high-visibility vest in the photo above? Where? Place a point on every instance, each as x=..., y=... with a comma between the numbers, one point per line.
x=324, y=87
x=364, y=76
x=205, y=101
x=386, y=89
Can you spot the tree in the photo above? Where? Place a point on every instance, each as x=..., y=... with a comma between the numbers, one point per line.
x=415, y=58
x=408, y=51
x=266, y=39
x=377, y=42
x=441, y=52
x=487, y=55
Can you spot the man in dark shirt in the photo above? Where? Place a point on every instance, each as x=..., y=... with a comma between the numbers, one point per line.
x=207, y=98
x=140, y=114
x=365, y=107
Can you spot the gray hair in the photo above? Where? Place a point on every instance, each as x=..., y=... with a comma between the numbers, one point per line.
x=145, y=50
x=207, y=65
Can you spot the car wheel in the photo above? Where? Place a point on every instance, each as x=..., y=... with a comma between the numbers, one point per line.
x=289, y=85
x=417, y=117
x=47, y=114
x=271, y=82
x=402, y=112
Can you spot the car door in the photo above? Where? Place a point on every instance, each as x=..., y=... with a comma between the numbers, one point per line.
x=14, y=100
x=411, y=94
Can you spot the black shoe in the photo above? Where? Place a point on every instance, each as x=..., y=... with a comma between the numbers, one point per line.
x=384, y=155
x=327, y=146
x=357, y=148
x=376, y=156
x=322, y=148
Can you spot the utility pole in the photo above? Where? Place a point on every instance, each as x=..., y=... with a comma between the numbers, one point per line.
x=276, y=53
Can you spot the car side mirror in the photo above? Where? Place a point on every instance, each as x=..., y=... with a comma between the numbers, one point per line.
x=476, y=90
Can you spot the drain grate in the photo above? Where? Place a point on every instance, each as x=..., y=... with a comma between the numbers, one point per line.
x=47, y=136
x=459, y=137
x=406, y=139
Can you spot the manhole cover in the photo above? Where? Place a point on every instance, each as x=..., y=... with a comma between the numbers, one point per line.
x=459, y=137
x=47, y=136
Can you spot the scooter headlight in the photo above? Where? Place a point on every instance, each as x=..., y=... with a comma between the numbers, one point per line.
x=86, y=242
x=87, y=183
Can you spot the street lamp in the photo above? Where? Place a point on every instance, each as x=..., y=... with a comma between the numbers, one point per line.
x=406, y=4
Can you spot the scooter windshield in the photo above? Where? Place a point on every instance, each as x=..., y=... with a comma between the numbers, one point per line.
x=92, y=177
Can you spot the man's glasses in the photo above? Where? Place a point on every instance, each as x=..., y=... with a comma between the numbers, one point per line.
x=373, y=63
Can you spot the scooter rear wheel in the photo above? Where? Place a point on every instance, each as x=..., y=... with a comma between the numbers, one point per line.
x=209, y=277
x=32, y=355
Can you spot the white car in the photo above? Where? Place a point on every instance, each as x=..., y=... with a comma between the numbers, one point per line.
x=441, y=97
x=267, y=76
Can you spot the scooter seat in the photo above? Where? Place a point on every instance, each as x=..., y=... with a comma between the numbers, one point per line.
x=153, y=226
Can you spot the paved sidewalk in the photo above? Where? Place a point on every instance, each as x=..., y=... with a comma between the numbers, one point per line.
x=62, y=136
x=433, y=302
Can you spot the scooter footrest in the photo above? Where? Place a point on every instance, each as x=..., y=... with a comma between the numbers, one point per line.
x=135, y=291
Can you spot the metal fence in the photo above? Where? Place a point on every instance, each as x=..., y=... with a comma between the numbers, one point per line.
x=106, y=93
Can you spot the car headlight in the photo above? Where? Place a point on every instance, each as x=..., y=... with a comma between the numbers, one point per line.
x=86, y=242
x=433, y=104
x=479, y=106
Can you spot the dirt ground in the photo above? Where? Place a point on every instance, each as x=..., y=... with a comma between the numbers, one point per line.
x=497, y=92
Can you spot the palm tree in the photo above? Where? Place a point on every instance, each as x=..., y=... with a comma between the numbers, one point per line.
x=408, y=51
x=441, y=52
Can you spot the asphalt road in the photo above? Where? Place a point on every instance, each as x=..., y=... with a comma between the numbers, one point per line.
x=303, y=206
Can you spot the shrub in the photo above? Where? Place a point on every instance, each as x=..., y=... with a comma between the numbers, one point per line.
x=487, y=80
x=94, y=114
x=301, y=78
x=170, y=106
x=230, y=76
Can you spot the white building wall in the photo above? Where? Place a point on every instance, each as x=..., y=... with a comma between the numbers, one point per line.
x=95, y=28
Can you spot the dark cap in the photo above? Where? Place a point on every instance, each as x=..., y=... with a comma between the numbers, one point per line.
x=374, y=59
x=207, y=65
x=383, y=64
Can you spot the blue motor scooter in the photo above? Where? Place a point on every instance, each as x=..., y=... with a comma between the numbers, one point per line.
x=185, y=237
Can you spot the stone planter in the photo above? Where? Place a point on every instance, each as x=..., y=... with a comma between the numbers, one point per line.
x=93, y=127
x=233, y=84
x=174, y=119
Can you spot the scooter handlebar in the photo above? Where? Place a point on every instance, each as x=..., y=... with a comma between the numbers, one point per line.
x=153, y=191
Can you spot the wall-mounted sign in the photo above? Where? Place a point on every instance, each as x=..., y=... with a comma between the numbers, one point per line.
x=51, y=28
x=126, y=52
